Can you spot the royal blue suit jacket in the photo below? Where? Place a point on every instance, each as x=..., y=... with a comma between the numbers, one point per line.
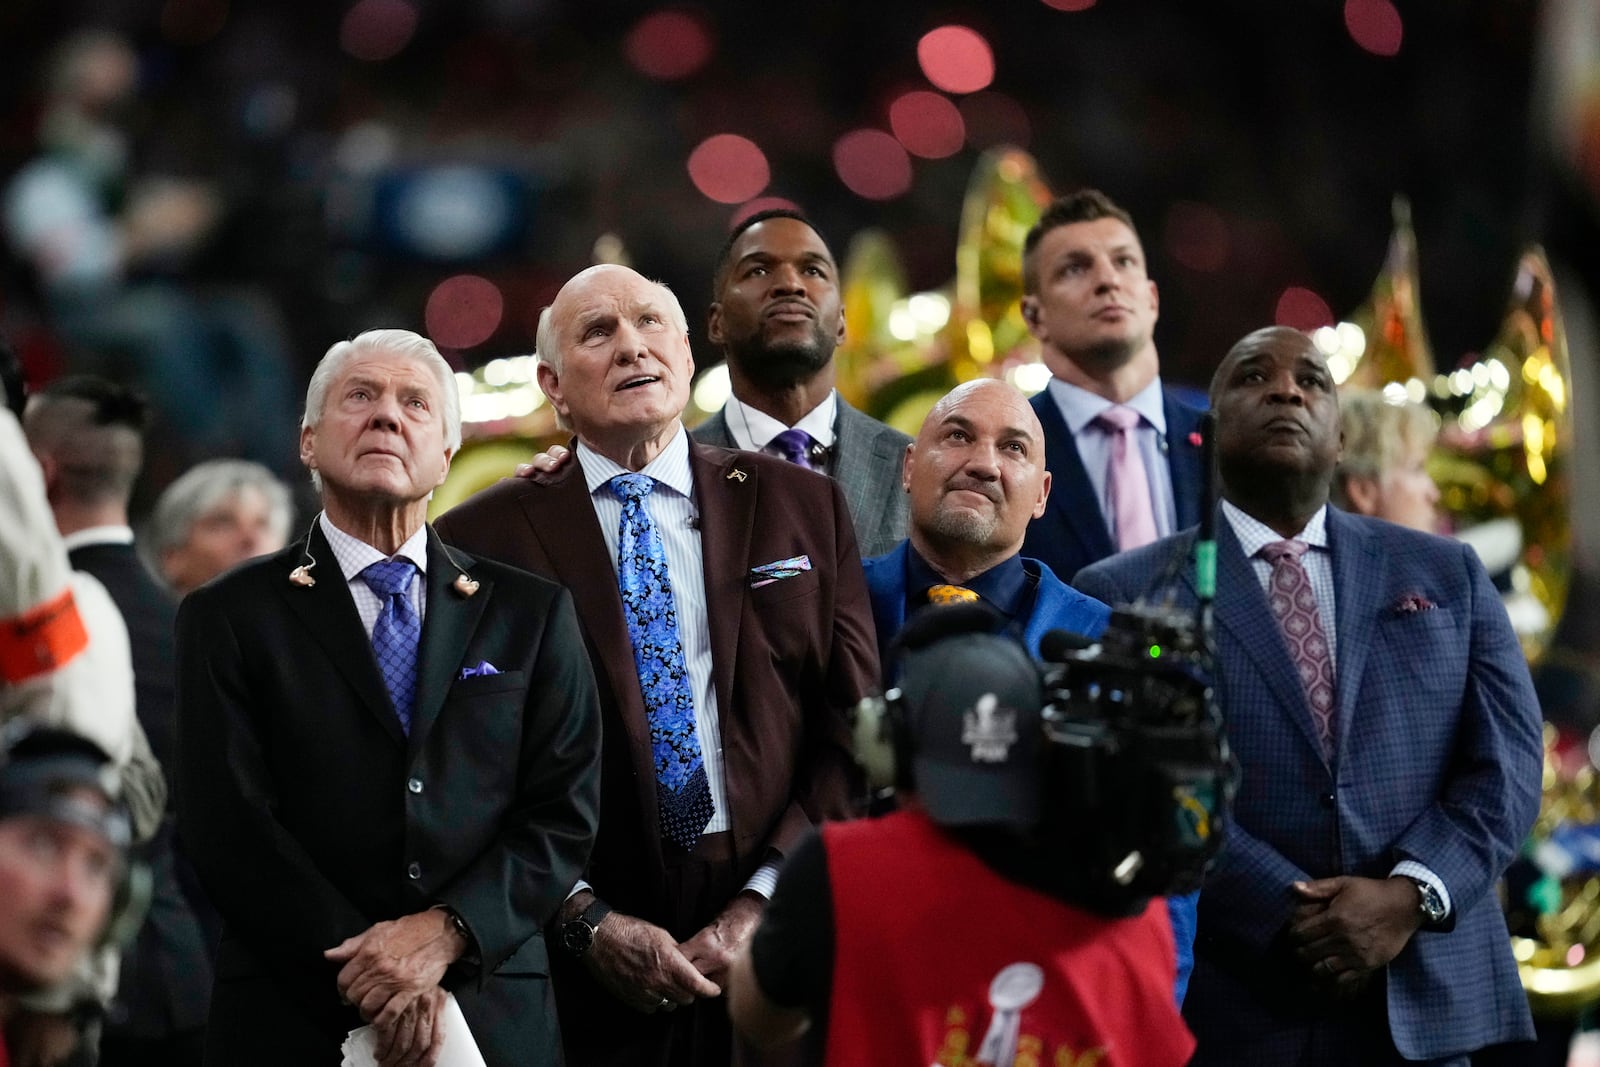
x=1437, y=759
x=1056, y=606
x=1072, y=533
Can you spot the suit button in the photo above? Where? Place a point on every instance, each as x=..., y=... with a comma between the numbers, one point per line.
x=415, y=785
x=1327, y=800
x=413, y=870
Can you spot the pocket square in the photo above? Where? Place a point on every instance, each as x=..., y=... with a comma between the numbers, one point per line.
x=777, y=570
x=1410, y=604
x=484, y=667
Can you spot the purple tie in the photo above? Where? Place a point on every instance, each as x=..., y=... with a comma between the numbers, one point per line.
x=1295, y=604
x=1127, y=485
x=794, y=446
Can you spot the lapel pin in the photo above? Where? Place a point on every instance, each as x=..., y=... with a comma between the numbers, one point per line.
x=301, y=576
x=465, y=586
x=736, y=475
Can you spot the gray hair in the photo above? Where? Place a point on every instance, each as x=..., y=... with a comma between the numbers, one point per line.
x=202, y=488
x=402, y=343
x=548, y=349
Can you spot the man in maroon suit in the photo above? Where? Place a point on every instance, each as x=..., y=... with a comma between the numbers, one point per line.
x=723, y=603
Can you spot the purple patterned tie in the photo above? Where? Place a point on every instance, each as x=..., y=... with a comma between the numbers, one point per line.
x=1295, y=604
x=1127, y=485
x=794, y=446
x=396, y=633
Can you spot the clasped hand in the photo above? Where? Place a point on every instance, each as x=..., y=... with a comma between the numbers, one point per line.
x=644, y=967
x=391, y=975
x=1344, y=929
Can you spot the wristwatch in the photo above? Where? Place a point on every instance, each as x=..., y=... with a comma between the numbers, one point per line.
x=1432, y=905
x=577, y=935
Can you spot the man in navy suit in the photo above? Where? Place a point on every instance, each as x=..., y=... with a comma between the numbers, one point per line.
x=1388, y=740
x=1093, y=308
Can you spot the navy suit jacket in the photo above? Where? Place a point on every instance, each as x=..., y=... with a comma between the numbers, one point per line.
x=1437, y=759
x=1072, y=533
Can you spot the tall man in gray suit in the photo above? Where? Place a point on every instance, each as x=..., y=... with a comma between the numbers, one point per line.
x=1388, y=742
x=777, y=318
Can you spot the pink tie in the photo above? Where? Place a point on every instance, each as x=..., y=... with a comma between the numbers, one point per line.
x=1295, y=604
x=1128, y=485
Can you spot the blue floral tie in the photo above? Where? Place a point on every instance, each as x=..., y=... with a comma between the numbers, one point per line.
x=682, y=795
x=396, y=634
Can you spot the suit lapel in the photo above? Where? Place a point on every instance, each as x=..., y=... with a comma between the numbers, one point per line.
x=714, y=431
x=1242, y=610
x=1358, y=580
x=328, y=614
x=727, y=505
x=447, y=628
x=1071, y=485
x=1183, y=458
x=862, y=457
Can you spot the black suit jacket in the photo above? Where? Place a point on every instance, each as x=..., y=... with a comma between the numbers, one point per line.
x=312, y=815
x=1072, y=533
x=165, y=985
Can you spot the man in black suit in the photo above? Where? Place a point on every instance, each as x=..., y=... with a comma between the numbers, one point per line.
x=389, y=753
x=86, y=434
x=1108, y=421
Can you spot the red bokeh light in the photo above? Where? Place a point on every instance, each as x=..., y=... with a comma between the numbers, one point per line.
x=1375, y=25
x=668, y=45
x=463, y=311
x=872, y=164
x=1069, y=5
x=1197, y=237
x=374, y=30
x=1302, y=309
x=760, y=204
x=728, y=168
x=956, y=59
x=928, y=124
x=995, y=119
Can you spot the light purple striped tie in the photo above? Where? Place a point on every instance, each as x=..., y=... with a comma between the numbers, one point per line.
x=1127, y=483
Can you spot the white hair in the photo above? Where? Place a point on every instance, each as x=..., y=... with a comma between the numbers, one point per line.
x=402, y=343
x=549, y=352
x=202, y=488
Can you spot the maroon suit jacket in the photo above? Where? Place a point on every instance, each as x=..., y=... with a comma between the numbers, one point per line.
x=789, y=659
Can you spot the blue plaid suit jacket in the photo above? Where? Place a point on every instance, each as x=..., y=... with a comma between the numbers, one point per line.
x=1438, y=759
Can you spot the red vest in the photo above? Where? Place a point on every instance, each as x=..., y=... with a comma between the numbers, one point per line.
x=938, y=960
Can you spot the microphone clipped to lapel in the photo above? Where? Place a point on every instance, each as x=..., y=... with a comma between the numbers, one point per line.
x=464, y=585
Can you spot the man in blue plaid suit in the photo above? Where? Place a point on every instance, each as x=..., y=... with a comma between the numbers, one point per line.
x=1351, y=916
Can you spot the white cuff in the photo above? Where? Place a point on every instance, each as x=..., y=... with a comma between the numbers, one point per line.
x=1413, y=869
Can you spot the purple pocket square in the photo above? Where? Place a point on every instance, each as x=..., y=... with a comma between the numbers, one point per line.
x=777, y=570
x=1411, y=604
x=483, y=668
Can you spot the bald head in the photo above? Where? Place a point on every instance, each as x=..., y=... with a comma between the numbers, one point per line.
x=88, y=435
x=976, y=476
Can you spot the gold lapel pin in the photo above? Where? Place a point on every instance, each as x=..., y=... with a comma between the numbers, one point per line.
x=736, y=475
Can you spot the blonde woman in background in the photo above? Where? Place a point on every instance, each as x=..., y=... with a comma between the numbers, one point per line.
x=1383, y=471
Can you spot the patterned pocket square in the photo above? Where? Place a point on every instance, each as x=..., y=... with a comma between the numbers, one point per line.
x=1411, y=604
x=483, y=668
x=778, y=570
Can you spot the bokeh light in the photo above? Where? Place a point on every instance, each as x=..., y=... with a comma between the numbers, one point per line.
x=668, y=45
x=1302, y=309
x=1197, y=237
x=375, y=30
x=463, y=311
x=1375, y=25
x=1070, y=5
x=760, y=204
x=728, y=168
x=872, y=164
x=927, y=124
x=956, y=59
x=995, y=119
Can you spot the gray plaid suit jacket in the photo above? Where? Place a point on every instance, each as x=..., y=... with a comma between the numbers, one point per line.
x=1438, y=760
x=867, y=458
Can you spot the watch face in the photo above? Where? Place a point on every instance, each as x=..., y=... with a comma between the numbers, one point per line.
x=577, y=936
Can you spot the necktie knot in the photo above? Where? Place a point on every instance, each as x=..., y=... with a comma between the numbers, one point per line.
x=1275, y=552
x=794, y=446
x=1117, y=418
x=951, y=594
x=632, y=486
x=389, y=577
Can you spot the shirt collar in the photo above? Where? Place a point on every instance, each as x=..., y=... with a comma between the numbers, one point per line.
x=753, y=429
x=1254, y=535
x=98, y=535
x=1079, y=407
x=670, y=468
x=1001, y=586
x=355, y=555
